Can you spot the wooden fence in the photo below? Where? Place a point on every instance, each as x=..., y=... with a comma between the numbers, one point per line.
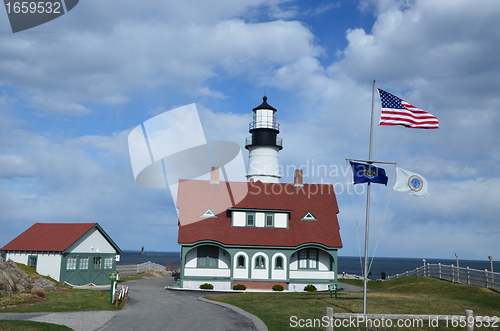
x=483, y=278
x=418, y=322
x=130, y=269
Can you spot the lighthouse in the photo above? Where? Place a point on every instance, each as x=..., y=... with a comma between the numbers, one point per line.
x=264, y=145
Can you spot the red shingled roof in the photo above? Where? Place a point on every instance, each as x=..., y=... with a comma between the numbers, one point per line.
x=196, y=196
x=48, y=237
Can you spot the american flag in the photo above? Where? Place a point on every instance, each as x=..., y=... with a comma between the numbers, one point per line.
x=396, y=111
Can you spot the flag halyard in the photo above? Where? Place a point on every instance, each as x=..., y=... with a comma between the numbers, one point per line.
x=396, y=111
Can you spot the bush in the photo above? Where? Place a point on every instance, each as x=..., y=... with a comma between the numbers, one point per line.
x=310, y=288
x=239, y=287
x=278, y=287
x=40, y=293
x=206, y=286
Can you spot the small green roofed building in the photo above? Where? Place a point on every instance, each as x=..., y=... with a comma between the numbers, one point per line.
x=76, y=253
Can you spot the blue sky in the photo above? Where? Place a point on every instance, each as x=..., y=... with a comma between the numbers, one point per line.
x=72, y=89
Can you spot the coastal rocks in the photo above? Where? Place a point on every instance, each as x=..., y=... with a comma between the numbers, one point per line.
x=13, y=280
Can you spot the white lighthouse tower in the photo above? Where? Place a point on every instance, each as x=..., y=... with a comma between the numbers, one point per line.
x=264, y=145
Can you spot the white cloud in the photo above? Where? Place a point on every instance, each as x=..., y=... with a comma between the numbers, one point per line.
x=440, y=56
x=14, y=166
x=104, y=67
x=58, y=106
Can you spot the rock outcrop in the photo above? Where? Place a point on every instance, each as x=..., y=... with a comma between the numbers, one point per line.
x=14, y=279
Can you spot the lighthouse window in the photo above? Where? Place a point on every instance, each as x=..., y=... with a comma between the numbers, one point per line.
x=264, y=118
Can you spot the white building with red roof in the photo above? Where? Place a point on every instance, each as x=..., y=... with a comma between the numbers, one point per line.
x=262, y=232
x=78, y=253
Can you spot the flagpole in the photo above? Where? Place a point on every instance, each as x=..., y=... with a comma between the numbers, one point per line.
x=368, y=191
x=367, y=223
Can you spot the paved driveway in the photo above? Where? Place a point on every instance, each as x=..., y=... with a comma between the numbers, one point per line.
x=150, y=307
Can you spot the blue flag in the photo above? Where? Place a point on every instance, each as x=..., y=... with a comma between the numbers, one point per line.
x=367, y=173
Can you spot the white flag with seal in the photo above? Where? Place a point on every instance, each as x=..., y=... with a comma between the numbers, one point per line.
x=410, y=182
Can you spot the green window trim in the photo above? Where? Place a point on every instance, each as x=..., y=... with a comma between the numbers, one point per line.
x=250, y=219
x=260, y=262
x=208, y=214
x=84, y=263
x=309, y=217
x=108, y=263
x=241, y=262
x=32, y=261
x=269, y=220
x=207, y=257
x=96, y=262
x=71, y=263
x=308, y=258
x=278, y=263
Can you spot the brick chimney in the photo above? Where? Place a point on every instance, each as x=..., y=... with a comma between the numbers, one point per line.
x=297, y=178
x=214, y=176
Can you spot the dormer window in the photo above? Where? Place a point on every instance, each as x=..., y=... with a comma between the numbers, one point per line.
x=269, y=220
x=208, y=214
x=250, y=219
x=259, y=218
x=309, y=217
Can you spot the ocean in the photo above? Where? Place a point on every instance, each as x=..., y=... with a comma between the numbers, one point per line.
x=348, y=264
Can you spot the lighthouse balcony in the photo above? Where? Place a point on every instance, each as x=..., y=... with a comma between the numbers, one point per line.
x=264, y=125
x=276, y=142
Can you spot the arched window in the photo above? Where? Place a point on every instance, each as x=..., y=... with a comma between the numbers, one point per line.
x=278, y=263
x=260, y=262
x=241, y=262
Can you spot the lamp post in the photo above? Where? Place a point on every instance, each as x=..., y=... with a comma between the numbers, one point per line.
x=424, y=266
x=458, y=270
x=491, y=262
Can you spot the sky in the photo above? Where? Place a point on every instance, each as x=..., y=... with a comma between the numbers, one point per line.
x=71, y=90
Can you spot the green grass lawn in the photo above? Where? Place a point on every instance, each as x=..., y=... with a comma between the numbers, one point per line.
x=69, y=300
x=407, y=295
x=31, y=326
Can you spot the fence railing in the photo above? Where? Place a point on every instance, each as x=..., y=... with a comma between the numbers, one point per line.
x=130, y=269
x=483, y=278
x=419, y=322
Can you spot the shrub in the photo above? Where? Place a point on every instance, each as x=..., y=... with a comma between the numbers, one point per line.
x=206, y=286
x=239, y=287
x=40, y=293
x=278, y=287
x=310, y=288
